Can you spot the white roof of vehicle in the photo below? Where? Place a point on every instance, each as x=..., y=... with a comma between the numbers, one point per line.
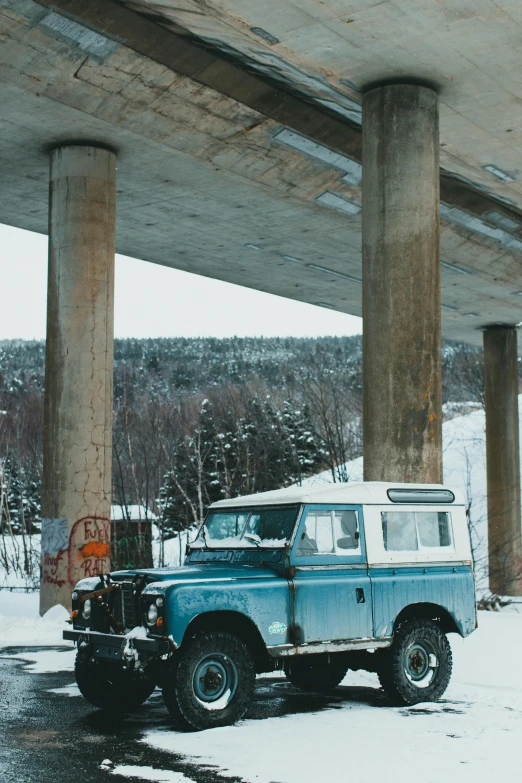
x=356, y=492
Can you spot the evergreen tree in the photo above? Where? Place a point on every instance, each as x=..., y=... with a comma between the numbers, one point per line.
x=23, y=498
x=307, y=454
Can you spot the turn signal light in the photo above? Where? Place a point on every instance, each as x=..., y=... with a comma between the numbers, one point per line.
x=74, y=614
x=159, y=622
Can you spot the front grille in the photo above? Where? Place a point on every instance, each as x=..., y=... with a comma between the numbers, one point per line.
x=125, y=606
x=117, y=608
x=129, y=613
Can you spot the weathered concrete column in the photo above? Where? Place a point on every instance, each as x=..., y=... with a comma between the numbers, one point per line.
x=503, y=460
x=402, y=392
x=79, y=368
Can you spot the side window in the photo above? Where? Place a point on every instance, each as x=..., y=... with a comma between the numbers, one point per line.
x=411, y=531
x=434, y=529
x=346, y=529
x=317, y=538
x=399, y=531
x=329, y=532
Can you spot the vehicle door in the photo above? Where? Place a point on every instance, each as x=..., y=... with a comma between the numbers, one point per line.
x=330, y=586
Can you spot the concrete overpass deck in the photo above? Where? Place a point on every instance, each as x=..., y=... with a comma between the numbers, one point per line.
x=239, y=156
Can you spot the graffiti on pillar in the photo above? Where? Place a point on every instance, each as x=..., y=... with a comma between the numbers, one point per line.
x=89, y=548
x=54, y=547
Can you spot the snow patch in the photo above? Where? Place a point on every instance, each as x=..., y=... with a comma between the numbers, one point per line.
x=18, y=604
x=46, y=661
x=172, y=551
x=219, y=704
x=139, y=632
x=149, y=773
x=67, y=690
x=57, y=614
x=22, y=626
x=129, y=652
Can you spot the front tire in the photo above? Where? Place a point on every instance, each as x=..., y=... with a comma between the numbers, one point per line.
x=211, y=683
x=316, y=673
x=109, y=687
x=417, y=667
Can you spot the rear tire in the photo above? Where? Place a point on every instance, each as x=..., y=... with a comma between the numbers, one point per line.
x=109, y=687
x=210, y=683
x=417, y=667
x=315, y=673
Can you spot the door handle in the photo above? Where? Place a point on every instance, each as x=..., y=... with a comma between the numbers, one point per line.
x=359, y=594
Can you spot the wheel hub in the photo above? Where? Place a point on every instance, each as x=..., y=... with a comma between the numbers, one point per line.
x=420, y=663
x=417, y=663
x=211, y=680
x=215, y=677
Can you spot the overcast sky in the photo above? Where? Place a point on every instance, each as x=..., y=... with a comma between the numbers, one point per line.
x=154, y=301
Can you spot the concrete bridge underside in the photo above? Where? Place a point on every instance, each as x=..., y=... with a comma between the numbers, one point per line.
x=227, y=138
x=205, y=173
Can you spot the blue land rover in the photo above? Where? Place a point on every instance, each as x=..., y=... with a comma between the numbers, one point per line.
x=311, y=581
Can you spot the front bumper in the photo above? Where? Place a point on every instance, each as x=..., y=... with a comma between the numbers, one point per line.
x=110, y=645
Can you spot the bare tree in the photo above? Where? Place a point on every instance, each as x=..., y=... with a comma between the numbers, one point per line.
x=335, y=400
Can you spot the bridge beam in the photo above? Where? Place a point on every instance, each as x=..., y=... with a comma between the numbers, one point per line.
x=402, y=393
x=79, y=369
x=503, y=460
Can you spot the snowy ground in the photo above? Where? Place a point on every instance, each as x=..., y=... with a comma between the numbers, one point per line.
x=21, y=624
x=472, y=735
x=467, y=737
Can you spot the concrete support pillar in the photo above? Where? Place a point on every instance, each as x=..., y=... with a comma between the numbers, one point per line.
x=402, y=392
x=503, y=460
x=79, y=367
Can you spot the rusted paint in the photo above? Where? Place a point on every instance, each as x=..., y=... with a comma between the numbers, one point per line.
x=450, y=587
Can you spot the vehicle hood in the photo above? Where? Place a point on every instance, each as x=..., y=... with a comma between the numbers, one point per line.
x=199, y=573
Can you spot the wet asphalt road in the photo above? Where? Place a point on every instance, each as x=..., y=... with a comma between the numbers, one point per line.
x=53, y=738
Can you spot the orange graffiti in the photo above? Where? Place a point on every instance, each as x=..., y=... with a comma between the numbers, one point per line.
x=95, y=549
x=89, y=548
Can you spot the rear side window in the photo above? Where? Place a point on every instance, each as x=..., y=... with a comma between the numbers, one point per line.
x=411, y=531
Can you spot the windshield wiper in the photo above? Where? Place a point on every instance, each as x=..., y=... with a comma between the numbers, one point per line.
x=203, y=533
x=250, y=537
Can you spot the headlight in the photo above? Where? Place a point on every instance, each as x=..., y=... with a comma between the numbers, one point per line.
x=87, y=608
x=74, y=596
x=160, y=601
x=152, y=615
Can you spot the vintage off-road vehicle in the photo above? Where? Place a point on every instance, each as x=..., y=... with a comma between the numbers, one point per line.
x=311, y=581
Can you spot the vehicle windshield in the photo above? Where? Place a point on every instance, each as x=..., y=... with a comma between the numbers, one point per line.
x=247, y=528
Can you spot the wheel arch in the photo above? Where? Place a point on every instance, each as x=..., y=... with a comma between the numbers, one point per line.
x=428, y=611
x=238, y=624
